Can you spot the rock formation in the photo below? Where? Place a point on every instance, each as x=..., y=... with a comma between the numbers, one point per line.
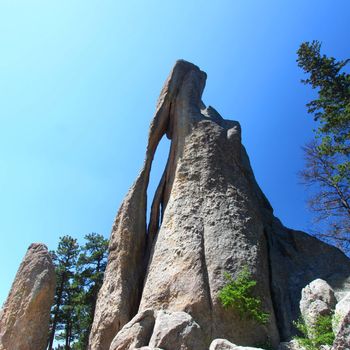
x=223, y=344
x=160, y=330
x=24, y=319
x=317, y=299
x=208, y=217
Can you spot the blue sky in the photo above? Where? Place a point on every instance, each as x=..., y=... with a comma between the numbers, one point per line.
x=79, y=82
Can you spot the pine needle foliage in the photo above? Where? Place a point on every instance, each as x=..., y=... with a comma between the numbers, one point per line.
x=327, y=167
x=238, y=294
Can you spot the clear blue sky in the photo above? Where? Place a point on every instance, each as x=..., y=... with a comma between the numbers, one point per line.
x=78, y=86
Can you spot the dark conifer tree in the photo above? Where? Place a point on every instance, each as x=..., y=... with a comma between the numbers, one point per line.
x=327, y=167
x=65, y=259
x=90, y=269
x=79, y=274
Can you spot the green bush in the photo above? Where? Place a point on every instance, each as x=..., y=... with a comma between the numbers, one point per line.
x=313, y=336
x=237, y=293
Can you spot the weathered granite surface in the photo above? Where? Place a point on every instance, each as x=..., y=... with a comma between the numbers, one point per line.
x=24, y=319
x=208, y=217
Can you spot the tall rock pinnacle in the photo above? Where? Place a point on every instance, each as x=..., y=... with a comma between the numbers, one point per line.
x=24, y=319
x=208, y=217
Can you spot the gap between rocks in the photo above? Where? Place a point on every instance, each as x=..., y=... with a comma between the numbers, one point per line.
x=158, y=167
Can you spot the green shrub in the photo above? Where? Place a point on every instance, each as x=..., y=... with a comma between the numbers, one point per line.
x=313, y=336
x=237, y=293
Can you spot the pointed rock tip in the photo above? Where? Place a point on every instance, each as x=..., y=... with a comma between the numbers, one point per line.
x=182, y=64
x=37, y=246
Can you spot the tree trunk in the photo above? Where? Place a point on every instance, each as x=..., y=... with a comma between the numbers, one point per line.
x=55, y=317
x=67, y=336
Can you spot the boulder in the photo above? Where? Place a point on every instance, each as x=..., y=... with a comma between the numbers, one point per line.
x=291, y=345
x=136, y=333
x=223, y=344
x=160, y=329
x=317, y=299
x=24, y=319
x=176, y=330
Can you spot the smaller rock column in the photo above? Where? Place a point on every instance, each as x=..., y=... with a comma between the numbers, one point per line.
x=24, y=319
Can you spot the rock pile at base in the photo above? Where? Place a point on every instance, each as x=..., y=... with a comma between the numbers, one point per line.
x=24, y=319
x=209, y=217
x=159, y=329
x=318, y=300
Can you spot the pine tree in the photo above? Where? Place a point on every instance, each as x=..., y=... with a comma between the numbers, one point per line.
x=332, y=107
x=79, y=274
x=90, y=269
x=327, y=167
x=64, y=258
